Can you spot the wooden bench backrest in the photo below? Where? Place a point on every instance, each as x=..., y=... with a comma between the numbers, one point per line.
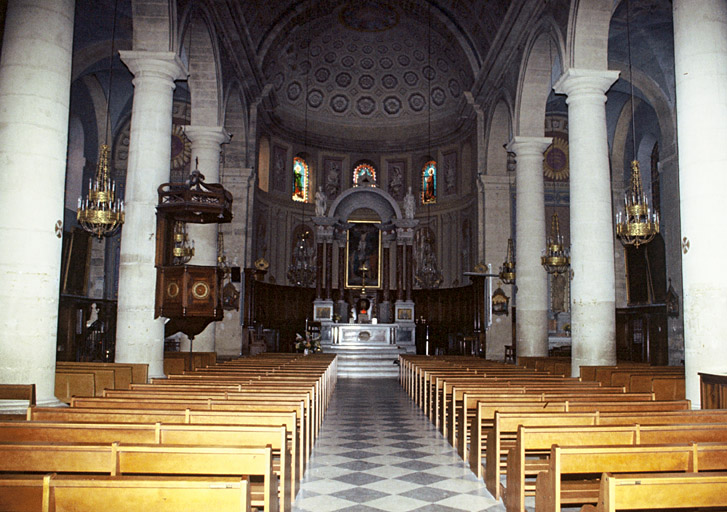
x=118, y=459
x=18, y=392
x=124, y=374
x=662, y=491
x=74, y=383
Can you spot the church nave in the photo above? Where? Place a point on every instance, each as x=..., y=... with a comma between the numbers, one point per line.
x=378, y=451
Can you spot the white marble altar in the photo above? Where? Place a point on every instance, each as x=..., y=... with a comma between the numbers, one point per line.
x=349, y=333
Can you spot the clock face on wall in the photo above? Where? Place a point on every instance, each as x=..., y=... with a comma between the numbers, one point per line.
x=181, y=148
x=555, y=163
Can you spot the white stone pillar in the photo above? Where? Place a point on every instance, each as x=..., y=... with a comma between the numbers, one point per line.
x=593, y=296
x=532, y=284
x=139, y=336
x=206, y=142
x=700, y=58
x=35, y=84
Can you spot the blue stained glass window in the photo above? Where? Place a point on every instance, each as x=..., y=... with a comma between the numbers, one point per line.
x=300, y=180
x=364, y=174
x=429, y=182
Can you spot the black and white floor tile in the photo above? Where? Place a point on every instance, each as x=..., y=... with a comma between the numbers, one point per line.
x=377, y=451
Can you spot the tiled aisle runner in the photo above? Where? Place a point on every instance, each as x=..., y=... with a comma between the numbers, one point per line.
x=377, y=451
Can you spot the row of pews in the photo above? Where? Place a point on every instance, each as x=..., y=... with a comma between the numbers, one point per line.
x=234, y=435
x=570, y=441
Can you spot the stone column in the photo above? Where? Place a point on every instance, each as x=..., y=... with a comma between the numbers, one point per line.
x=35, y=83
x=399, y=270
x=319, y=269
x=385, y=306
x=329, y=268
x=206, y=141
x=532, y=283
x=593, y=297
x=139, y=336
x=700, y=58
x=342, y=305
x=409, y=275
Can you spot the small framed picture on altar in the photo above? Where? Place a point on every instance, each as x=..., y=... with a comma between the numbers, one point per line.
x=405, y=314
x=323, y=313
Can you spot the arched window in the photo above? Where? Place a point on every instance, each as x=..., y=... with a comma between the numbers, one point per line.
x=364, y=175
x=429, y=182
x=301, y=175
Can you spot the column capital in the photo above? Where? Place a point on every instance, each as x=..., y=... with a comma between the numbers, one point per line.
x=143, y=64
x=529, y=146
x=585, y=82
x=204, y=135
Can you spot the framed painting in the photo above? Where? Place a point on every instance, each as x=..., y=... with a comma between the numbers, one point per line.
x=405, y=314
x=363, y=255
x=323, y=313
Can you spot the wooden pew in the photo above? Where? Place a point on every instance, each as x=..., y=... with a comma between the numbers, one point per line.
x=459, y=434
x=118, y=459
x=21, y=392
x=59, y=493
x=70, y=383
x=193, y=417
x=502, y=435
x=126, y=373
x=165, y=434
x=552, y=491
x=664, y=387
x=524, y=460
x=660, y=491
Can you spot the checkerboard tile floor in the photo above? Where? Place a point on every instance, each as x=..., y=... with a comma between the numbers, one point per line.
x=377, y=451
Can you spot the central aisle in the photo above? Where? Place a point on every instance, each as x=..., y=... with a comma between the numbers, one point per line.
x=377, y=451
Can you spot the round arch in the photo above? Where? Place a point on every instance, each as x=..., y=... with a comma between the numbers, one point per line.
x=372, y=198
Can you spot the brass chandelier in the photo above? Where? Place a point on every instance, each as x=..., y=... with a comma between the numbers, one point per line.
x=507, y=270
x=637, y=224
x=556, y=257
x=101, y=213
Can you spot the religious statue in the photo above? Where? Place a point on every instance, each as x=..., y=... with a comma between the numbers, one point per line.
x=320, y=202
x=409, y=205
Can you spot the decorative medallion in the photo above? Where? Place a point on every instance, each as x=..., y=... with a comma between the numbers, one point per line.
x=339, y=103
x=330, y=57
x=315, y=98
x=419, y=55
x=294, y=90
x=322, y=74
x=367, y=63
x=411, y=78
x=417, y=102
x=343, y=79
x=366, y=105
x=261, y=264
x=438, y=96
x=200, y=290
x=555, y=161
x=347, y=61
x=454, y=88
x=429, y=73
x=172, y=290
x=403, y=60
x=366, y=81
x=392, y=105
x=367, y=49
x=389, y=81
x=386, y=63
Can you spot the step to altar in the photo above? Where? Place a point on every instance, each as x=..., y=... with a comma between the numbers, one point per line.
x=368, y=360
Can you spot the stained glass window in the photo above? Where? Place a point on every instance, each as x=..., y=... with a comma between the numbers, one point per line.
x=429, y=182
x=300, y=180
x=364, y=175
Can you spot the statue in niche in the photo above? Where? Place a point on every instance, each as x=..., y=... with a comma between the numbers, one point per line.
x=409, y=205
x=396, y=181
x=321, y=202
x=333, y=173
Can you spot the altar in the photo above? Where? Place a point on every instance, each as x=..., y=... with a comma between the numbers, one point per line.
x=349, y=333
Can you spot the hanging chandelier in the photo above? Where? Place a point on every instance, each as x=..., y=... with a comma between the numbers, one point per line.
x=101, y=213
x=427, y=274
x=637, y=224
x=183, y=250
x=507, y=270
x=556, y=257
x=302, y=271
